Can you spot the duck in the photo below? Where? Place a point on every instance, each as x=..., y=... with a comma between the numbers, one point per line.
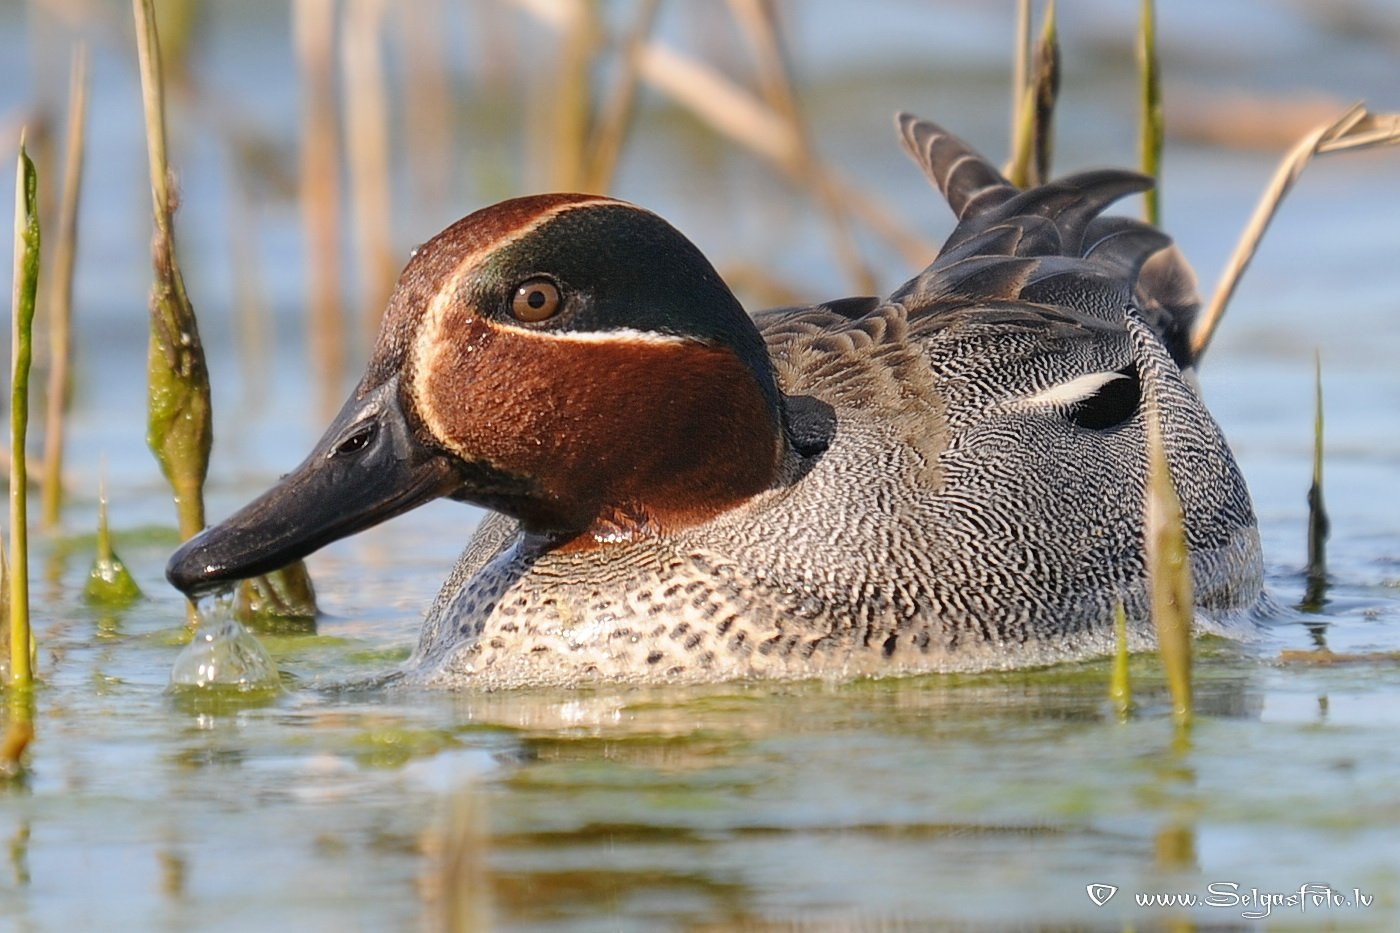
x=947, y=479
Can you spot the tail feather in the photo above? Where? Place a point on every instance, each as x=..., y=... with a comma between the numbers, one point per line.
x=1048, y=243
x=970, y=183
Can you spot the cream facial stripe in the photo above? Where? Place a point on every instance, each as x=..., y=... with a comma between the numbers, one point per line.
x=620, y=335
x=431, y=341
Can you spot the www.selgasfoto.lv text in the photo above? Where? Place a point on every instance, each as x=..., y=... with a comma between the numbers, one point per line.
x=1254, y=904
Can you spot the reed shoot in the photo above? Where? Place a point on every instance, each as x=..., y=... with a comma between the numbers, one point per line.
x=109, y=582
x=26, y=284
x=1151, y=131
x=1319, y=525
x=1120, y=691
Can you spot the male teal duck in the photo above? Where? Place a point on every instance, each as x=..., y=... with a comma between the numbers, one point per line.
x=950, y=479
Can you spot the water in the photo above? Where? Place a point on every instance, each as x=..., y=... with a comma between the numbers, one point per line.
x=989, y=801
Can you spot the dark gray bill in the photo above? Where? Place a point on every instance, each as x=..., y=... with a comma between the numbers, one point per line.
x=367, y=468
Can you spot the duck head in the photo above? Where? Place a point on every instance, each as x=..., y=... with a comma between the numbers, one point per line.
x=571, y=361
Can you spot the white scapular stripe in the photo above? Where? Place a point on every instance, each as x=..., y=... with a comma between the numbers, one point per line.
x=1067, y=393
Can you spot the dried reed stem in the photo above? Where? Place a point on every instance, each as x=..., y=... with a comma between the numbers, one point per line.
x=1357, y=128
x=26, y=284
x=606, y=146
x=179, y=426
x=736, y=114
x=1046, y=93
x=428, y=109
x=60, y=296
x=367, y=155
x=1020, y=71
x=759, y=22
x=571, y=117
x=250, y=307
x=313, y=25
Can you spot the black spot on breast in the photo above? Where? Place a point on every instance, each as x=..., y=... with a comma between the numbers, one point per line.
x=654, y=657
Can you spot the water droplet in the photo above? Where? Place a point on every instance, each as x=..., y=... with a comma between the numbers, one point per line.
x=223, y=653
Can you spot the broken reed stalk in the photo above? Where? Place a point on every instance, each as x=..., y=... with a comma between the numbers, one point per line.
x=605, y=148
x=367, y=156
x=742, y=118
x=179, y=425
x=1168, y=570
x=26, y=284
x=758, y=21
x=1355, y=129
x=314, y=25
x=60, y=312
x=1318, y=523
x=1151, y=130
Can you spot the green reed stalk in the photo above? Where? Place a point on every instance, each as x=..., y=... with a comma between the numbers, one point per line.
x=26, y=285
x=1151, y=130
x=179, y=426
x=61, y=294
x=605, y=148
x=1168, y=572
x=1319, y=525
x=1120, y=691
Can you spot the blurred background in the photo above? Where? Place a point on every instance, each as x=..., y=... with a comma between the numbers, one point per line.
x=317, y=141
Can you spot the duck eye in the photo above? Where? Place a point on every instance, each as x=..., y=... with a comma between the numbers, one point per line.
x=536, y=300
x=357, y=441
